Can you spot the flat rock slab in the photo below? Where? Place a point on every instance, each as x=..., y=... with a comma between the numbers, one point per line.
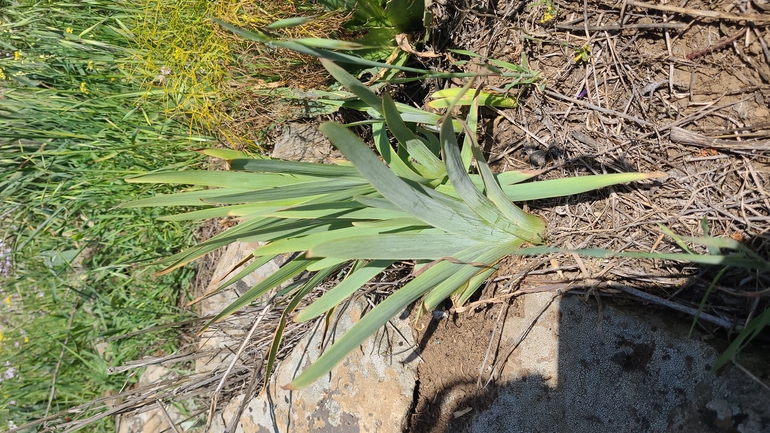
x=217, y=340
x=304, y=142
x=371, y=391
x=581, y=371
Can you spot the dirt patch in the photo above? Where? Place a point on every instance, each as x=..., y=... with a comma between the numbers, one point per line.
x=452, y=348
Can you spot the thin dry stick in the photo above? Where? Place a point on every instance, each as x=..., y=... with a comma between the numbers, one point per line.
x=693, y=117
x=751, y=375
x=491, y=342
x=175, y=358
x=516, y=124
x=596, y=107
x=521, y=338
x=762, y=42
x=716, y=47
x=660, y=301
x=757, y=19
x=167, y=416
x=237, y=355
x=619, y=27
x=255, y=375
x=681, y=135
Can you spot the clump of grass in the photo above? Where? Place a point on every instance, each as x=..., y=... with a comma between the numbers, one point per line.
x=75, y=118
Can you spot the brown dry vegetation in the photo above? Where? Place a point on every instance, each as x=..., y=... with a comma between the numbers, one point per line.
x=250, y=109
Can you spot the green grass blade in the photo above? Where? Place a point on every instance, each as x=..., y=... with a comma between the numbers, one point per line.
x=225, y=238
x=222, y=179
x=737, y=260
x=306, y=288
x=444, y=98
x=571, y=186
x=295, y=190
x=191, y=198
x=257, y=263
x=394, y=161
x=385, y=311
x=749, y=332
x=473, y=284
x=351, y=83
x=679, y=241
x=470, y=139
x=532, y=226
x=409, y=223
x=492, y=255
x=342, y=290
x=325, y=263
x=316, y=52
x=464, y=186
x=217, y=212
x=289, y=22
x=705, y=297
x=432, y=165
x=291, y=167
x=286, y=272
x=329, y=44
x=229, y=154
x=393, y=246
x=335, y=231
x=361, y=213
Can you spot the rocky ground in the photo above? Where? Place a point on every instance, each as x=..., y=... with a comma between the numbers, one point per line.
x=565, y=343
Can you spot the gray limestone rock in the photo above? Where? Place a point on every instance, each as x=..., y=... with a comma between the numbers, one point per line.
x=215, y=339
x=579, y=371
x=371, y=391
x=304, y=142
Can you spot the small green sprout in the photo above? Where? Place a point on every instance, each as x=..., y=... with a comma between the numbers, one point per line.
x=583, y=53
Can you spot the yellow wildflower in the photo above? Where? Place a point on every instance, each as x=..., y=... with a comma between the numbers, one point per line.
x=548, y=15
x=90, y=65
x=26, y=339
x=8, y=301
x=17, y=55
x=83, y=88
x=68, y=30
x=112, y=79
x=1, y=335
x=2, y=74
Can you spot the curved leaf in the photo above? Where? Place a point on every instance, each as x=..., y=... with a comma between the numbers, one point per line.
x=393, y=246
x=416, y=202
x=342, y=290
x=571, y=186
x=391, y=307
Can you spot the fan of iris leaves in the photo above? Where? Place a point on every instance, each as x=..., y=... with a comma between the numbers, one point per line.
x=417, y=199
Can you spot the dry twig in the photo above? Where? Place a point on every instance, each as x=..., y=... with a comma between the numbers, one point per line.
x=756, y=18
